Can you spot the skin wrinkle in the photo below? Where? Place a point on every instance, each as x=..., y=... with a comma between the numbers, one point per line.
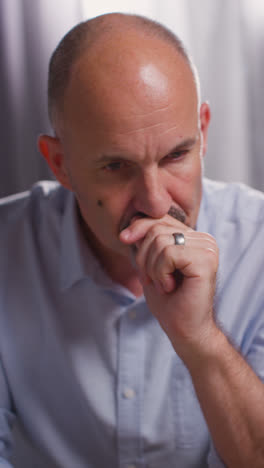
x=99, y=118
x=174, y=212
x=153, y=111
x=162, y=122
x=154, y=193
x=179, y=146
x=147, y=127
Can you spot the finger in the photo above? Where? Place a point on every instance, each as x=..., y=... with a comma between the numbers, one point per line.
x=200, y=237
x=162, y=266
x=139, y=228
x=156, y=238
x=198, y=257
x=154, y=250
x=192, y=262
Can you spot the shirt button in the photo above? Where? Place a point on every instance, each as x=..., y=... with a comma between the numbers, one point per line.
x=129, y=393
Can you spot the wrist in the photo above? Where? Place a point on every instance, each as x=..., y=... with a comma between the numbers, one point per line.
x=199, y=352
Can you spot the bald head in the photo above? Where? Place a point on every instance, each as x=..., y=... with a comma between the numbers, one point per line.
x=104, y=39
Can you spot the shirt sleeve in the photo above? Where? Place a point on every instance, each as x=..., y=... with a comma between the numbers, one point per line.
x=213, y=459
x=7, y=418
x=255, y=355
x=255, y=358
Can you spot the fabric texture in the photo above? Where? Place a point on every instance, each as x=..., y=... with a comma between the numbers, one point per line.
x=85, y=367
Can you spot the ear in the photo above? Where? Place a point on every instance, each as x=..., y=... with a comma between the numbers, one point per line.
x=205, y=117
x=51, y=149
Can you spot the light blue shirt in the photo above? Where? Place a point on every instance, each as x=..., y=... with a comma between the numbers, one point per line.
x=85, y=366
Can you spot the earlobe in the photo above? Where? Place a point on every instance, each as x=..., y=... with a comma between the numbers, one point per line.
x=205, y=117
x=51, y=149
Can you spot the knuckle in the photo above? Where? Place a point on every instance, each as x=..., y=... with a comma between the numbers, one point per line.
x=155, y=230
x=163, y=261
x=159, y=242
x=211, y=246
x=211, y=259
x=210, y=237
x=168, y=253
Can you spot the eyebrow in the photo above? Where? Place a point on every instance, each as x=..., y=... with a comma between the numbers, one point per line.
x=187, y=143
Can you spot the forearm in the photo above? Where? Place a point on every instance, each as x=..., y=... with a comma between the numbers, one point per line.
x=232, y=400
x=230, y=394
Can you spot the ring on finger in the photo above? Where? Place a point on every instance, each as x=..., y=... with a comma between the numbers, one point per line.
x=179, y=238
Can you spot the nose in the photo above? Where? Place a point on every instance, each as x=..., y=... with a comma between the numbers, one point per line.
x=151, y=195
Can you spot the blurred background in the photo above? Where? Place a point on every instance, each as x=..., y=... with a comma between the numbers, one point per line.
x=225, y=38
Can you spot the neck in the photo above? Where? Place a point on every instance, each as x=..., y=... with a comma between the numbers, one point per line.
x=123, y=273
x=120, y=269
x=118, y=266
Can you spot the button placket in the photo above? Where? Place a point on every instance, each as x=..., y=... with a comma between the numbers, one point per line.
x=130, y=389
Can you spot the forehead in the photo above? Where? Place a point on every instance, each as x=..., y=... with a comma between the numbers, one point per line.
x=124, y=88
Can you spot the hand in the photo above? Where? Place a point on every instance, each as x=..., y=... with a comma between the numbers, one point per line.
x=178, y=281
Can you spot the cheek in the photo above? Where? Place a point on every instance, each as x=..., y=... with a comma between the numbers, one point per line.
x=195, y=191
x=187, y=183
x=103, y=213
x=102, y=207
x=186, y=189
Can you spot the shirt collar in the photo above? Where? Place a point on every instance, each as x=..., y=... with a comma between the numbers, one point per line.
x=77, y=260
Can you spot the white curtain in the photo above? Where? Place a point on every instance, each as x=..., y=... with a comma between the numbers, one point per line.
x=225, y=37
x=29, y=31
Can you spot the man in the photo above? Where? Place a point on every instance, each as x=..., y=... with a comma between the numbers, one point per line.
x=116, y=349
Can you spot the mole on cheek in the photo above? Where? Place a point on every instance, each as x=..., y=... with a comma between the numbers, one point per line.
x=99, y=203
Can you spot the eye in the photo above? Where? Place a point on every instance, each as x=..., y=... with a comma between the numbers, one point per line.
x=176, y=155
x=115, y=166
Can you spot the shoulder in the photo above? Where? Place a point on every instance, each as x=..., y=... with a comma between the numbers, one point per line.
x=47, y=195
x=26, y=216
x=232, y=202
x=234, y=215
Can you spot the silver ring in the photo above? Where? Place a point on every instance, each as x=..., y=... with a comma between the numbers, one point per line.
x=179, y=238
